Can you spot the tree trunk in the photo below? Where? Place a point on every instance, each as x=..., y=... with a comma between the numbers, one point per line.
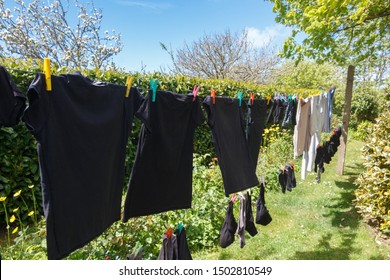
x=346, y=115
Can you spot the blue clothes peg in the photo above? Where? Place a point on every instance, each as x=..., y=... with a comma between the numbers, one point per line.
x=239, y=98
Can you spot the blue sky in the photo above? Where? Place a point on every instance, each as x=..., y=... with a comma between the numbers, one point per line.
x=143, y=24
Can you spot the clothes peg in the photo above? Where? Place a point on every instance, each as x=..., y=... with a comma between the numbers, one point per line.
x=268, y=99
x=195, y=92
x=239, y=94
x=233, y=198
x=129, y=82
x=47, y=72
x=169, y=232
x=153, y=86
x=212, y=93
x=252, y=97
x=180, y=227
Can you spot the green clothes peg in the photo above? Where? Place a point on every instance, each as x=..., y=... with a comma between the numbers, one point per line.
x=239, y=98
x=180, y=227
x=153, y=86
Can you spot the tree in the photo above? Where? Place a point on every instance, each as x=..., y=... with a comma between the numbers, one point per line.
x=344, y=31
x=42, y=29
x=224, y=55
x=309, y=74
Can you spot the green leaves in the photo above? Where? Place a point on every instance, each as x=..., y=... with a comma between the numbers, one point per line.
x=335, y=30
x=373, y=193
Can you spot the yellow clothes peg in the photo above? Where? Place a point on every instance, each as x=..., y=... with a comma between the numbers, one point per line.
x=129, y=82
x=268, y=99
x=47, y=72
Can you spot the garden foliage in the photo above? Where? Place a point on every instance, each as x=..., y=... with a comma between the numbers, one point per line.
x=373, y=193
x=18, y=156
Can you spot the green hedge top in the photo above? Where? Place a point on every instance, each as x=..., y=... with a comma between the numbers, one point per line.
x=23, y=71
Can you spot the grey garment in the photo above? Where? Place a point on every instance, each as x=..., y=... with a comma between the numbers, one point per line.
x=302, y=128
x=136, y=255
x=326, y=122
x=241, y=222
x=328, y=116
x=169, y=249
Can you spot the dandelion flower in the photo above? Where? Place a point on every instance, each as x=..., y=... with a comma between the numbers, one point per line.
x=3, y=198
x=15, y=230
x=12, y=219
x=31, y=186
x=15, y=210
x=31, y=213
x=17, y=193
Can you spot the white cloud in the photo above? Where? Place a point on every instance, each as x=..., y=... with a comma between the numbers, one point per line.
x=261, y=37
x=145, y=4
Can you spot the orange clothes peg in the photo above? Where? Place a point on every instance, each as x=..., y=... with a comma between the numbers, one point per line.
x=212, y=93
x=252, y=97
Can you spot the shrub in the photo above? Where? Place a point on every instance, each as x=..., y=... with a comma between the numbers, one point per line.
x=202, y=222
x=364, y=107
x=363, y=131
x=275, y=154
x=373, y=193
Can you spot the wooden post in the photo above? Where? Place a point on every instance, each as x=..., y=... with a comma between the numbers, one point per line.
x=346, y=115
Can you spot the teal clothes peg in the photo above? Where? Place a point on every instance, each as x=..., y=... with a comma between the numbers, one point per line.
x=239, y=98
x=153, y=87
x=180, y=227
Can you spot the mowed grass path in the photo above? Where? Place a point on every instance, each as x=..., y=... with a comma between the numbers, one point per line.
x=316, y=221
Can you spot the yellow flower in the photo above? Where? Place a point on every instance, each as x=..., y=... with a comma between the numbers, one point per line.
x=15, y=230
x=15, y=210
x=31, y=213
x=3, y=198
x=12, y=219
x=17, y=193
x=31, y=186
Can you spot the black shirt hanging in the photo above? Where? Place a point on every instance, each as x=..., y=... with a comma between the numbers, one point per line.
x=82, y=129
x=161, y=177
x=255, y=127
x=12, y=100
x=227, y=122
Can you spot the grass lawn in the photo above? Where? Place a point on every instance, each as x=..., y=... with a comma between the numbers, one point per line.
x=313, y=222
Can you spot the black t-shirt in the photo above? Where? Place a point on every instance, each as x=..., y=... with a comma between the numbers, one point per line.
x=161, y=177
x=227, y=122
x=12, y=100
x=255, y=127
x=82, y=129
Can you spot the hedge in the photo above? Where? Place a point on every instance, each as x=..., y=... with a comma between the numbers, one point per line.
x=18, y=157
x=373, y=193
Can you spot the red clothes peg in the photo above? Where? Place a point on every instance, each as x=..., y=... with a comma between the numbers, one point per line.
x=169, y=232
x=252, y=97
x=234, y=197
x=212, y=93
x=195, y=92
